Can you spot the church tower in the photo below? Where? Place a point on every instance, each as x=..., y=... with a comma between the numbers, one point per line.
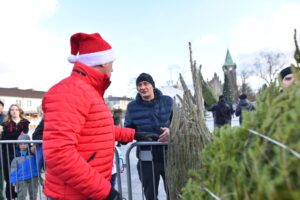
x=229, y=69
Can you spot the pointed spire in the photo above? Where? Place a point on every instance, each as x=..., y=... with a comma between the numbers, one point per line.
x=228, y=59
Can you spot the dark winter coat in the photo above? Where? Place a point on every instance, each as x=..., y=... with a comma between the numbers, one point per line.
x=222, y=113
x=2, y=117
x=244, y=104
x=38, y=132
x=150, y=116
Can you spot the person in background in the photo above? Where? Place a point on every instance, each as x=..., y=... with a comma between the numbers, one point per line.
x=2, y=118
x=222, y=112
x=287, y=76
x=24, y=171
x=243, y=105
x=151, y=111
x=79, y=132
x=117, y=117
x=114, y=169
x=13, y=127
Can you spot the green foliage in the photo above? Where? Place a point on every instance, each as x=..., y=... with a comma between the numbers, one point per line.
x=226, y=88
x=209, y=97
x=240, y=165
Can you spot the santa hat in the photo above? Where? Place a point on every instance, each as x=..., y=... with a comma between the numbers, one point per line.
x=90, y=49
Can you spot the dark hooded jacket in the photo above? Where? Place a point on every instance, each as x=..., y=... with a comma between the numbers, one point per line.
x=150, y=116
x=244, y=104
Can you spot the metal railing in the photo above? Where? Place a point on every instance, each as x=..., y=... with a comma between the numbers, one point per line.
x=23, y=172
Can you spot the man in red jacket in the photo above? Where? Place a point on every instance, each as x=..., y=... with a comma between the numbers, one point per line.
x=79, y=133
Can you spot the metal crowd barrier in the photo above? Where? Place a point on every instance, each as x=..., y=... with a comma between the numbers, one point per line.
x=148, y=158
x=10, y=148
x=21, y=174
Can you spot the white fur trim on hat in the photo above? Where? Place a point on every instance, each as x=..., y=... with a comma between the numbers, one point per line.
x=72, y=58
x=97, y=58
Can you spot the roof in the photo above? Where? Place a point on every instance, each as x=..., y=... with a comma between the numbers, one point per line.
x=228, y=59
x=26, y=93
x=112, y=98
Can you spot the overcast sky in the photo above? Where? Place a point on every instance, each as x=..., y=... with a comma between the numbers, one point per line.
x=148, y=36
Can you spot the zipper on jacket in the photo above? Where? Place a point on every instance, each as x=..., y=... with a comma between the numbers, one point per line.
x=91, y=157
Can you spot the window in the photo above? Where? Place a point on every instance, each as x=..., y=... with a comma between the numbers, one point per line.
x=29, y=103
x=18, y=101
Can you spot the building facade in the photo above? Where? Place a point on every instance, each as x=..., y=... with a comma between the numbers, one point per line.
x=29, y=99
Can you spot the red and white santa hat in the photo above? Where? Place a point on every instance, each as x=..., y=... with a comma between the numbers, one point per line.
x=90, y=49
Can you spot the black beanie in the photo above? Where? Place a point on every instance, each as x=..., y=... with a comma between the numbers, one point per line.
x=145, y=77
x=285, y=71
x=243, y=96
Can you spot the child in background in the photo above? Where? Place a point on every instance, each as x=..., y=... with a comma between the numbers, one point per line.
x=24, y=171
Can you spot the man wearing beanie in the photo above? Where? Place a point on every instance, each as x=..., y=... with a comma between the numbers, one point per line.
x=244, y=105
x=151, y=111
x=79, y=133
x=287, y=76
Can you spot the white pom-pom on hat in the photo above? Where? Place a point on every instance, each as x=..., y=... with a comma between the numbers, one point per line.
x=72, y=58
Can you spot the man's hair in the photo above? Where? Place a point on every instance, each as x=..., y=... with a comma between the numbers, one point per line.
x=1, y=102
x=243, y=96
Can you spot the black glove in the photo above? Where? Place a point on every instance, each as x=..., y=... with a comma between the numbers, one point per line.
x=114, y=195
x=144, y=136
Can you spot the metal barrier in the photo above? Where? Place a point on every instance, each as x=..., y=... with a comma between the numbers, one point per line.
x=21, y=172
x=9, y=151
x=145, y=157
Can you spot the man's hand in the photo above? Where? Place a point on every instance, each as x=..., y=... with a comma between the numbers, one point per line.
x=114, y=195
x=164, y=137
x=144, y=136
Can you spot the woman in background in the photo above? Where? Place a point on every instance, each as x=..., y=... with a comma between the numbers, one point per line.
x=11, y=129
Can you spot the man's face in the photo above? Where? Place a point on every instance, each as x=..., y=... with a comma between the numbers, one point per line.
x=288, y=80
x=105, y=68
x=146, y=90
x=1, y=108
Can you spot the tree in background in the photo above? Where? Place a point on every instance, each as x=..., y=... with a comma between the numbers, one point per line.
x=268, y=64
x=226, y=88
x=245, y=88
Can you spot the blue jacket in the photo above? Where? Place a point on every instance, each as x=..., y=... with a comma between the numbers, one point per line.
x=150, y=116
x=25, y=167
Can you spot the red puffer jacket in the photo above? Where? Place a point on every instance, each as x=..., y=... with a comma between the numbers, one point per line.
x=79, y=136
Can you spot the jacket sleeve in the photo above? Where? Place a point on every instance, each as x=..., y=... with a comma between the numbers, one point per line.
x=128, y=121
x=65, y=111
x=212, y=108
x=238, y=111
x=123, y=134
x=38, y=132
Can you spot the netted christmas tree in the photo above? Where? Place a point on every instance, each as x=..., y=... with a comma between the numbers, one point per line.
x=189, y=133
x=238, y=164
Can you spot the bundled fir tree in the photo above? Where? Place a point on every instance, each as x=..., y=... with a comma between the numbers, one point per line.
x=189, y=134
x=238, y=164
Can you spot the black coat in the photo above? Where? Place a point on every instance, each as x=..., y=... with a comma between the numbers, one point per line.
x=222, y=113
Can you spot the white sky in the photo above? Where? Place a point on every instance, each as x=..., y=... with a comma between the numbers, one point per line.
x=148, y=36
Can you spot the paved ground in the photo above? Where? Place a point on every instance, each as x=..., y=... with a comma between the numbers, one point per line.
x=136, y=186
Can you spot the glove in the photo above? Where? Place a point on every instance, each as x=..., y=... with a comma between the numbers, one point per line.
x=144, y=136
x=114, y=195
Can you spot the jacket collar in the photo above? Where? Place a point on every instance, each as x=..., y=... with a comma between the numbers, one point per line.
x=157, y=95
x=98, y=80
